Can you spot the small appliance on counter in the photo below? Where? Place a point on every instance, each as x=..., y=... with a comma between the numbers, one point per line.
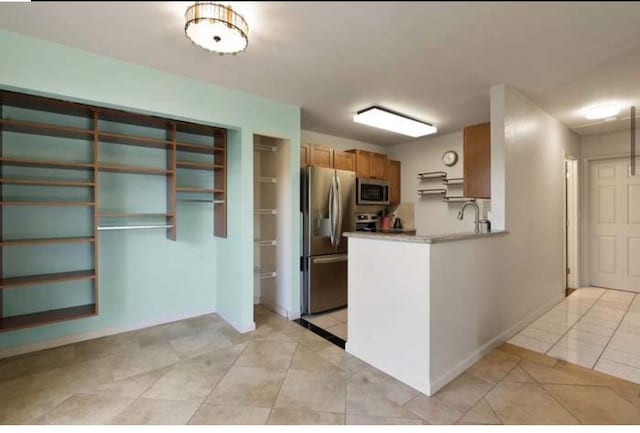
x=366, y=222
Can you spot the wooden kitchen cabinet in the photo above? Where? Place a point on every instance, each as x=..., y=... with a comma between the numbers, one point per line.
x=477, y=161
x=379, y=165
x=320, y=156
x=363, y=163
x=344, y=160
x=394, y=182
x=304, y=155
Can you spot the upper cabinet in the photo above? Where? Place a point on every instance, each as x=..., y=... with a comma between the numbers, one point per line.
x=321, y=156
x=394, y=182
x=344, y=160
x=477, y=161
x=371, y=165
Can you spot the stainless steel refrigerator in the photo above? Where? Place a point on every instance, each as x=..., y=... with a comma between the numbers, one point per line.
x=328, y=206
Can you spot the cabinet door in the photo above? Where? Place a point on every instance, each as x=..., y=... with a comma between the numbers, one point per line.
x=321, y=156
x=379, y=164
x=344, y=160
x=304, y=155
x=477, y=161
x=394, y=182
x=363, y=163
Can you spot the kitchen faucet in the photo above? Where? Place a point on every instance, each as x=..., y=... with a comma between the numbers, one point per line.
x=477, y=215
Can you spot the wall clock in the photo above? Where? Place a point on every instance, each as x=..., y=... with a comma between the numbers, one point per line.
x=449, y=158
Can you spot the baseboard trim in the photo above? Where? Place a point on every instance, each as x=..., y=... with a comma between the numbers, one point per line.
x=7, y=352
x=486, y=348
x=291, y=315
x=242, y=328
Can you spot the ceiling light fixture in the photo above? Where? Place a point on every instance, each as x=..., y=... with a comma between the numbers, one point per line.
x=216, y=27
x=382, y=118
x=602, y=111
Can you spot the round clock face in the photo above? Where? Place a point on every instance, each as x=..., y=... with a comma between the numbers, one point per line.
x=449, y=158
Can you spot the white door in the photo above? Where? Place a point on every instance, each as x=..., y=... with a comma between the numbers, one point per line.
x=615, y=225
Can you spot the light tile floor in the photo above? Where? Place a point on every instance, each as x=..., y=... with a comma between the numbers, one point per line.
x=593, y=327
x=201, y=371
x=334, y=322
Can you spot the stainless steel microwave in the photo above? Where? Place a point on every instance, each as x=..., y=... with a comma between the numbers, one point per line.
x=372, y=192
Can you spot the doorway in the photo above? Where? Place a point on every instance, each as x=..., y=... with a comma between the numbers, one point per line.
x=571, y=225
x=614, y=228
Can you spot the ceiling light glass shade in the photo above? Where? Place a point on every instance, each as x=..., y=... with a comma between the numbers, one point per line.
x=216, y=27
x=385, y=119
x=602, y=111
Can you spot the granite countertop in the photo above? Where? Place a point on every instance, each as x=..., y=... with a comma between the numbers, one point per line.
x=424, y=239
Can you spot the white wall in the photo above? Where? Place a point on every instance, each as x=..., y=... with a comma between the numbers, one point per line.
x=507, y=280
x=610, y=145
x=311, y=137
x=433, y=216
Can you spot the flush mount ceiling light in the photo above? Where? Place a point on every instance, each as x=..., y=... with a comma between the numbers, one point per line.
x=382, y=118
x=216, y=27
x=602, y=111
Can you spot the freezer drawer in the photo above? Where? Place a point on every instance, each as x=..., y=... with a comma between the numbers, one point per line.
x=326, y=283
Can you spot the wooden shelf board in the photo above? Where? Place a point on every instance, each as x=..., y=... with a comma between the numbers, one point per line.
x=196, y=190
x=47, y=129
x=19, y=242
x=133, y=169
x=32, y=280
x=198, y=148
x=51, y=316
x=43, y=163
x=50, y=105
x=46, y=182
x=133, y=214
x=198, y=165
x=134, y=140
x=54, y=203
x=137, y=119
x=195, y=129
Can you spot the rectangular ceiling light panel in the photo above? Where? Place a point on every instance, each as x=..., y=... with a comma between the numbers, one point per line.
x=384, y=119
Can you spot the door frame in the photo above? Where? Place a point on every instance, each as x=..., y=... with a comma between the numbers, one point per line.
x=585, y=183
x=572, y=223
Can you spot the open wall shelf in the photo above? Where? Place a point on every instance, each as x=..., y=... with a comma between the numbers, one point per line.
x=93, y=127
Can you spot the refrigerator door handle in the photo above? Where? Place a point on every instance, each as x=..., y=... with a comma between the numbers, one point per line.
x=339, y=217
x=332, y=205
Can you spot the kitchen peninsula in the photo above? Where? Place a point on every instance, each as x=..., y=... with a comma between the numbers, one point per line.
x=404, y=314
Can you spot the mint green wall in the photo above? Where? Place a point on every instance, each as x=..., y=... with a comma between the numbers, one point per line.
x=143, y=276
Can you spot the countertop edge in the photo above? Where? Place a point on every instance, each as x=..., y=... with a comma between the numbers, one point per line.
x=422, y=239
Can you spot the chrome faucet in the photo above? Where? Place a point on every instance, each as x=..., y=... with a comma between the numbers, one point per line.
x=477, y=215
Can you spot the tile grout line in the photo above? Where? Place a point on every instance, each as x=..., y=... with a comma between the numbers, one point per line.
x=615, y=331
x=576, y=322
x=282, y=384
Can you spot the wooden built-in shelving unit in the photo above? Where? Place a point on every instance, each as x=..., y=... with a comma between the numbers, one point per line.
x=166, y=135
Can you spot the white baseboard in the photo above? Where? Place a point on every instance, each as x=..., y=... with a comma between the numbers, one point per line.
x=256, y=300
x=486, y=348
x=278, y=309
x=240, y=327
x=76, y=338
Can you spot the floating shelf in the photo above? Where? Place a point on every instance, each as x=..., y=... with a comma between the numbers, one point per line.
x=45, y=182
x=432, y=175
x=198, y=148
x=33, y=280
x=263, y=148
x=134, y=140
x=265, y=211
x=453, y=181
x=133, y=169
x=435, y=191
x=39, y=163
x=263, y=179
x=51, y=316
x=136, y=227
x=53, y=203
x=263, y=275
x=49, y=130
x=271, y=243
x=41, y=241
x=455, y=198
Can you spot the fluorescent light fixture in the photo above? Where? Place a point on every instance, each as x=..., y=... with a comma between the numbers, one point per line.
x=602, y=111
x=382, y=118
